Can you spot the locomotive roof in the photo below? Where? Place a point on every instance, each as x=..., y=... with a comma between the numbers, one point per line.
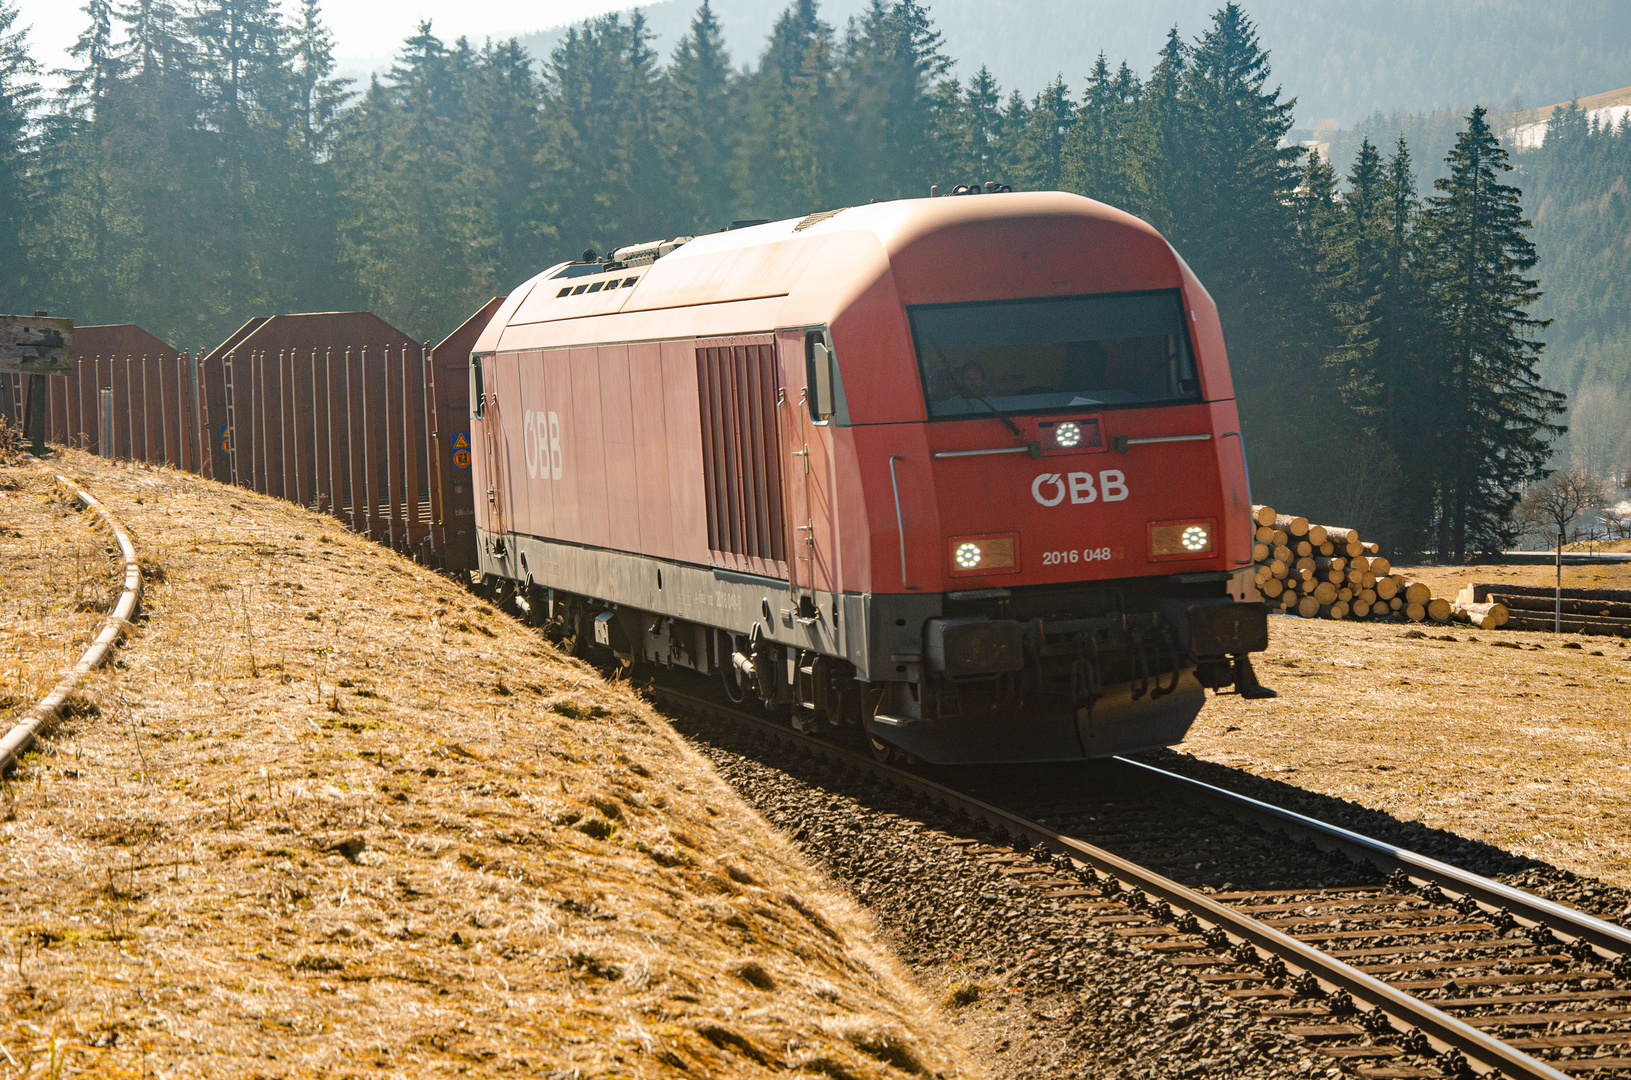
x=800, y=271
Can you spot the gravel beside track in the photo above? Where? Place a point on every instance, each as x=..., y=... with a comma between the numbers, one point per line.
x=968, y=902
x=1603, y=899
x=1039, y=986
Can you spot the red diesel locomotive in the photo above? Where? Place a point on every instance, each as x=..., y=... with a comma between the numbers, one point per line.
x=965, y=471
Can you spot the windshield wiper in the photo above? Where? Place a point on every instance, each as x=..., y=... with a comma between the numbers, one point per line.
x=962, y=392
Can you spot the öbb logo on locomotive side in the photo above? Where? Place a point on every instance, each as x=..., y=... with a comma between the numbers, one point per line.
x=1112, y=487
x=542, y=438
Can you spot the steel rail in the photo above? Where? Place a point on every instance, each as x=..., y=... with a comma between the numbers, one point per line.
x=1411, y=1013
x=48, y=710
x=1524, y=907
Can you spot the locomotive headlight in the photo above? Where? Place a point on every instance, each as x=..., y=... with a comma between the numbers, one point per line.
x=989, y=553
x=1181, y=539
x=1067, y=434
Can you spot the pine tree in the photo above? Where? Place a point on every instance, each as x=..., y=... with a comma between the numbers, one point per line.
x=86, y=85
x=1233, y=129
x=1229, y=210
x=1319, y=249
x=1010, y=142
x=698, y=127
x=18, y=92
x=1105, y=155
x=506, y=134
x=412, y=221
x=1039, y=153
x=1362, y=273
x=603, y=159
x=154, y=41
x=890, y=67
x=789, y=159
x=977, y=133
x=319, y=96
x=1169, y=170
x=1498, y=421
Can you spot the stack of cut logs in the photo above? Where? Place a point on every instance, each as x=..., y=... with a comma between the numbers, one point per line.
x=1322, y=571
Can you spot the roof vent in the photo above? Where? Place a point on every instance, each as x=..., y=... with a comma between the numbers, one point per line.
x=817, y=219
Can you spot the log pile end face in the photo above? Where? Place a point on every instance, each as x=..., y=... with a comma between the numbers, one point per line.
x=1329, y=571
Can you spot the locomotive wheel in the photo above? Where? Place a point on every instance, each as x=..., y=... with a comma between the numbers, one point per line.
x=889, y=753
x=567, y=630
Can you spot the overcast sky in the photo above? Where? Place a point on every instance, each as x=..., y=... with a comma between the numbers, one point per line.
x=364, y=30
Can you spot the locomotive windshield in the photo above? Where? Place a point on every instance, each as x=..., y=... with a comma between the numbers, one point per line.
x=1064, y=352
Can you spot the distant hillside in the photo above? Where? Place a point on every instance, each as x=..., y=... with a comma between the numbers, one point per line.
x=1341, y=61
x=1607, y=109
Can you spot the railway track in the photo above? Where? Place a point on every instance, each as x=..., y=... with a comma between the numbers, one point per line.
x=1398, y=966
x=48, y=711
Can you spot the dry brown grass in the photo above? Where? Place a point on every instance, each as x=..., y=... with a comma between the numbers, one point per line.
x=338, y=817
x=1521, y=747
x=1449, y=580
x=58, y=578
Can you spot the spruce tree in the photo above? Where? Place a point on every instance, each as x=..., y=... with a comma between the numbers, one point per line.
x=973, y=133
x=699, y=126
x=1349, y=278
x=506, y=97
x=319, y=96
x=890, y=67
x=1169, y=170
x=1010, y=140
x=18, y=92
x=1497, y=423
x=1229, y=211
x=1039, y=151
x=790, y=157
x=1319, y=250
x=603, y=162
x=413, y=222
x=1105, y=155
x=85, y=85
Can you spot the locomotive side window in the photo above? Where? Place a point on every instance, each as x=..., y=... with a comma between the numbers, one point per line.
x=1055, y=353
x=818, y=375
x=478, y=401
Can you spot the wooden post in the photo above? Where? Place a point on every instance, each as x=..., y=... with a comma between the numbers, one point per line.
x=38, y=347
x=1557, y=622
x=34, y=415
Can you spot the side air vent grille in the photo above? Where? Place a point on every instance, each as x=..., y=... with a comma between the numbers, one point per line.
x=736, y=385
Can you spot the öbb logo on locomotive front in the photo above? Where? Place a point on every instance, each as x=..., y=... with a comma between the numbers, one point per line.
x=1112, y=487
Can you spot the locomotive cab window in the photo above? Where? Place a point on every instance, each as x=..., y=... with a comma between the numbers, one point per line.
x=818, y=376
x=1017, y=356
x=478, y=402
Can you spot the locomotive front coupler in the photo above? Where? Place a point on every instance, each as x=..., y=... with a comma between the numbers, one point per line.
x=1141, y=640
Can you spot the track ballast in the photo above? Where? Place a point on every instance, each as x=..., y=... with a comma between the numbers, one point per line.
x=1383, y=961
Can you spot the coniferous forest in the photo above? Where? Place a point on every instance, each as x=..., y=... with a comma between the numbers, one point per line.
x=202, y=164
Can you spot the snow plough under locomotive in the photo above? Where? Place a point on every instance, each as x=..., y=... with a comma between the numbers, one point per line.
x=963, y=471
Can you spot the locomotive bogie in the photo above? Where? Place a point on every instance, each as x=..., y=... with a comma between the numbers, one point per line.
x=992, y=514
